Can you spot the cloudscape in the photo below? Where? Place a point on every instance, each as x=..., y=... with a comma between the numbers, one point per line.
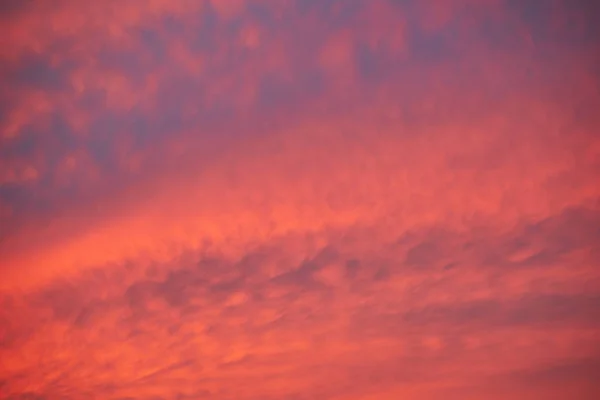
x=299, y=199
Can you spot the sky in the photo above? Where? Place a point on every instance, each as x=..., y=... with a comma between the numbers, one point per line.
x=299, y=199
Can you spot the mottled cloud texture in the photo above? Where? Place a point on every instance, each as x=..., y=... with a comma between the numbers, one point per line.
x=299, y=199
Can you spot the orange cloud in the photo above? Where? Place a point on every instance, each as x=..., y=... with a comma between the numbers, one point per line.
x=338, y=200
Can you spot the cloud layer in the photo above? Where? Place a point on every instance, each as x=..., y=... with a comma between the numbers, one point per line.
x=299, y=199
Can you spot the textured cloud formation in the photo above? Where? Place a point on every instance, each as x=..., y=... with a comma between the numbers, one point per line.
x=252, y=199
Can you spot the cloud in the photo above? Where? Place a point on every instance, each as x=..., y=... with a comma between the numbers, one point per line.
x=274, y=308
x=300, y=199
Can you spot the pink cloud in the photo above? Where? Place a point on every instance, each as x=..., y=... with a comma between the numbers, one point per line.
x=340, y=200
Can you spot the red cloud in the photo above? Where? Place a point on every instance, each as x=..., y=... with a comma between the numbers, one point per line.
x=298, y=199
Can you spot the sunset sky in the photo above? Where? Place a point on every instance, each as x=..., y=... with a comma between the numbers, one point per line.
x=299, y=199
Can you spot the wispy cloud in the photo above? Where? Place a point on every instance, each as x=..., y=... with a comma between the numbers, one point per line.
x=298, y=199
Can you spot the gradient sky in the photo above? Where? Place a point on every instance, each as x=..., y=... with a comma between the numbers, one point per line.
x=299, y=199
